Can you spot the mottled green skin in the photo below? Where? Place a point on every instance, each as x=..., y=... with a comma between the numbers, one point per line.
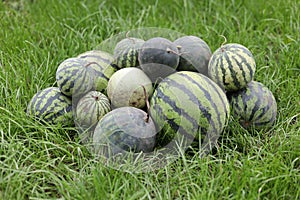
x=123, y=130
x=158, y=58
x=194, y=54
x=51, y=106
x=102, y=67
x=232, y=67
x=190, y=105
x=74, y=77
x=91, y=108
x=126, y=52
x=254, y=106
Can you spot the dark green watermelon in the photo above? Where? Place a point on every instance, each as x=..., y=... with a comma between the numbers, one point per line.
x=123, y=130
x=194, y=54
x=158, y=58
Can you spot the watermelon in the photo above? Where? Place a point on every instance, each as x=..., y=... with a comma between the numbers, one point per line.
x=52, y=106
x=129, y=87
x=232, y=67
x=101, y=67
x=158, y=58
x=91, y=108
x=125, y=129
x=74, y=77
x=126, y=52
x=189, y=107
x=254, y=106
x=194, y=54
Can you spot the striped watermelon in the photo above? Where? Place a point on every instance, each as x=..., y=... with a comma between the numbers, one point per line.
x=232, y=67
x=125, y=129
x=74, y=77
x=101, y=66
x=51, y=106
x=254, y=106
x=194, y=54
x=186, y=106
x=91, y=108
x=126, y=52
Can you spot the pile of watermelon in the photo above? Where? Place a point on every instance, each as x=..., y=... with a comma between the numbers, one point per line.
x=156, y=93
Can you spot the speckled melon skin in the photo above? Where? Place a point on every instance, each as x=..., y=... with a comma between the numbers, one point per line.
x=51, y=106
x=254, y=106
x=232, y=67
x=124, y=130
x=126, y=52
x=194, y=54
x=102, y=67
x=125, y=88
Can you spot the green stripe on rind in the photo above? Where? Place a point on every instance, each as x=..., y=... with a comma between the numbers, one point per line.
x=127, y=58
x=255, y=105
x=182, y=97
x=51, y=105
x=103, y=68
x=175, y=117
x=73, y=77
x=232, y=67
x=89, y=110
x=205, y=85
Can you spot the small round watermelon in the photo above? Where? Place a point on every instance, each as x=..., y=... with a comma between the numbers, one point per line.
x=123, y=130
x=254, y=106
x=126, y=52
x=74, y=77
x=101, y=67
x=127, y=87
x=194, y=54
x=158, y=58
x=232, y=67
x=189, y=107
x=91, y=108
x=51, y=106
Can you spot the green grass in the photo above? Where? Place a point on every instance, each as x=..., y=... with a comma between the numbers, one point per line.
x=48, y=162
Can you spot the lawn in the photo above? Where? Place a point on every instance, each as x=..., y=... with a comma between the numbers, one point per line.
x=48, y=162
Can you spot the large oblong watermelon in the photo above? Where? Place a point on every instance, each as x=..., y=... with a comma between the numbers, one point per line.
x=189, y=106
x=254, y=106
x=51, y=106
x=232, y=67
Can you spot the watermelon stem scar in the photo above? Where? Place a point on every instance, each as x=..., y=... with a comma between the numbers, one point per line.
x=90, y=63
x=171, y=51
x=147, y=104
x=225, y=41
